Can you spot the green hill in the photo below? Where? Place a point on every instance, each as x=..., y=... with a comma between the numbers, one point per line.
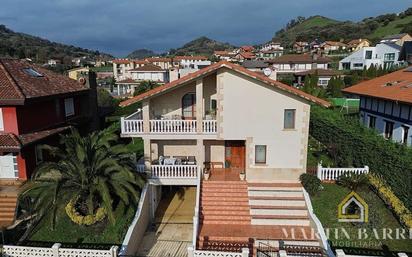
x=202, y=46
x=20, y=45
x=141, y=53
x=323, y=28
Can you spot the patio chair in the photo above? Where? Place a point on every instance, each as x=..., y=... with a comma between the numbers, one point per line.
x=191, y=160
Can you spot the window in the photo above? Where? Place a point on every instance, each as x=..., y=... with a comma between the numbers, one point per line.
x=389, y=57
x=372, y=121
x=405, y=134
x=69, y=107
x=368, y=55
x=213, y=104
x=260, y=154
x=323, y=82
x=32, y=72
x=388, y=129
x=38, y=153
x=289, y=119
x=1, y=120
x=358, y=65
x=189, y=106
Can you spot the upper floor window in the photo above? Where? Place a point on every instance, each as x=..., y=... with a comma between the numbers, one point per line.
x=289, y=119
x=189, y=106
x=388, y=129
x=368, y=55
x=69, y=107
x=1, y=120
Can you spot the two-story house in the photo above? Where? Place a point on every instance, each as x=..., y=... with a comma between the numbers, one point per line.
x=35, y=106
x=246, y=134
x=386, y=104
x=292, y=63
x=398, y=39
x=383, y=55
x=357, y=44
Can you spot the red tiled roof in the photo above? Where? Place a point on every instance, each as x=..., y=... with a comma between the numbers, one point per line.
x=9, y=142
x=122, y=61
x=320, y=72
x=247, y=55
x=158, y=59
x=127, y=81
x=36, y=136
x=140, y=62
x=299, y=58
x=247, y=48
x=148, y=67
x=395, y=86
x=224, y=64
x=197, y=57
x=16, y=84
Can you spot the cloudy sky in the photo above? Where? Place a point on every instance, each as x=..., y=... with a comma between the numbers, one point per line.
x=120, y=26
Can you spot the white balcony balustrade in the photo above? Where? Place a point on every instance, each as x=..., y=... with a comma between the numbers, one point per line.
x=173, y=126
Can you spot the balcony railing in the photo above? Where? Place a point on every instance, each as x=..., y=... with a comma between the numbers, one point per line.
x=171, y=171
x=132, y=126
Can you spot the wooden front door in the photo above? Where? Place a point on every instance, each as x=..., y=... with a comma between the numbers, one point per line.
x=235, y=154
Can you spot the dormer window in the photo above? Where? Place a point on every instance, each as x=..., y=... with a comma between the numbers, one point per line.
x=32, y=72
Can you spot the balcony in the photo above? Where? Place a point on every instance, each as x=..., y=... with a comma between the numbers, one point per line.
x=171, y=174
x=136, y=126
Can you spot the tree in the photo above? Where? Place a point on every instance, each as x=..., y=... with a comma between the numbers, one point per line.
x=335, y=86
x=145, y=86
x=94, y=170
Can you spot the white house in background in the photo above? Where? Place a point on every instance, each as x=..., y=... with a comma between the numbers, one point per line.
x=384, y=55
x=386, y=104
x=149, y=72
x=190, y=61
x=292, y=63
x=53, y=62
x=272, y=46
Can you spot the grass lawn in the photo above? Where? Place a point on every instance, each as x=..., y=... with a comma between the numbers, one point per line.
x=100, y=234
x=391, y=28
x=325, y=205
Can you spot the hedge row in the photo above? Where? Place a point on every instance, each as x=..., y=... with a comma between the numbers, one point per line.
x=354, y=145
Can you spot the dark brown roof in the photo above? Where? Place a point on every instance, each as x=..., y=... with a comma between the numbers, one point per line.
x=17, y=85
x=235, y=67
x=148, y=67
x=395, y=86
x=9, y=143
x=320, y=72
x=299, y=58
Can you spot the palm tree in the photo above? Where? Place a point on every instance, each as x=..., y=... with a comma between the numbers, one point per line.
x=94, y=169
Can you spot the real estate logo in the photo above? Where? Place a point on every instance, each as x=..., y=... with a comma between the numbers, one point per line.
x=353, y=209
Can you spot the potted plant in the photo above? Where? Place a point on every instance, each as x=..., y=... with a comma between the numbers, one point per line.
x=242, y=175
x=206, y=174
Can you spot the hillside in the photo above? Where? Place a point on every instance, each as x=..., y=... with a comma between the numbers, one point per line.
x=20, y=45
x=141, y=53
x=323, y=28
x=202, y=46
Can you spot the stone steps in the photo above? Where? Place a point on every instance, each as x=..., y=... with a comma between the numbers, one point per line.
x=290, y=212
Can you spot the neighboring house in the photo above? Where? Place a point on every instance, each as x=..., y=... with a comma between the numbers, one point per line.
x=255, y=65
x=300, y=47
x=242, y=56
x=164, y=63
x=357, y=44
x=398, y=39
x=331, y=46
x=386, y=104
x=229, y=122
x=406, y=52
x=35, y=106
x=292, y=63
x=121, y=68
x=190, y=61
x=315, y=44
x=76, y=73
x=269, y=54
x=324, y=75
x=384, y=55
x=272, y=45
x=224, y=55
x=244, y=49
x=53, y=62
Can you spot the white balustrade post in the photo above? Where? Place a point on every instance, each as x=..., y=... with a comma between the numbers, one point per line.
x=367, y=169
x=282, y=253
x=122, y=129
x=319, y=171
x=190, y=251
x=402, y=255
x=113, y=251
x=340, y=253
x=245, y=252
x=55, y=249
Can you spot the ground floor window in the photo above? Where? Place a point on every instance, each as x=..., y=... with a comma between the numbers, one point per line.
x=388, y=129
x=260, y=154
x=372, y=121
x=405, y=134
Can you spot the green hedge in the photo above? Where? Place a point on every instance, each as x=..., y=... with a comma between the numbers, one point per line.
x=352, y=144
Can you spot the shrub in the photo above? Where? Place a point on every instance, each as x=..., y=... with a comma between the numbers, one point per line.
x=353, y=181
x=83, y=219
x=354, y=145
x=311, y=183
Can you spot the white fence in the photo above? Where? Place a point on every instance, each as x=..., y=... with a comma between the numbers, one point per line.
x=174, y=171
x=201, y=253
x=334, y=173
x=341, y=253
x=197, y=208
x=133, y=126
x=55, y=251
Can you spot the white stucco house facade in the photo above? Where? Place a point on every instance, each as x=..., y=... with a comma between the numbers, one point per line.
x=384, y=55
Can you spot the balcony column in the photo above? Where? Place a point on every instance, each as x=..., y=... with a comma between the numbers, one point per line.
x=199, y=105
x=147, y=154
x=200, y=152
x=146, y=117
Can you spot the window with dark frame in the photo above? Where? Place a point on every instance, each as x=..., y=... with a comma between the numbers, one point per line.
x=405, y=134
x=189, y=106
x=69, y=107
x=289, y=119
x=388, y=129
x=372, y=121
x=260, y=154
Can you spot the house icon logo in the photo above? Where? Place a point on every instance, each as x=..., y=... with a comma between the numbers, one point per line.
x=353, y=209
